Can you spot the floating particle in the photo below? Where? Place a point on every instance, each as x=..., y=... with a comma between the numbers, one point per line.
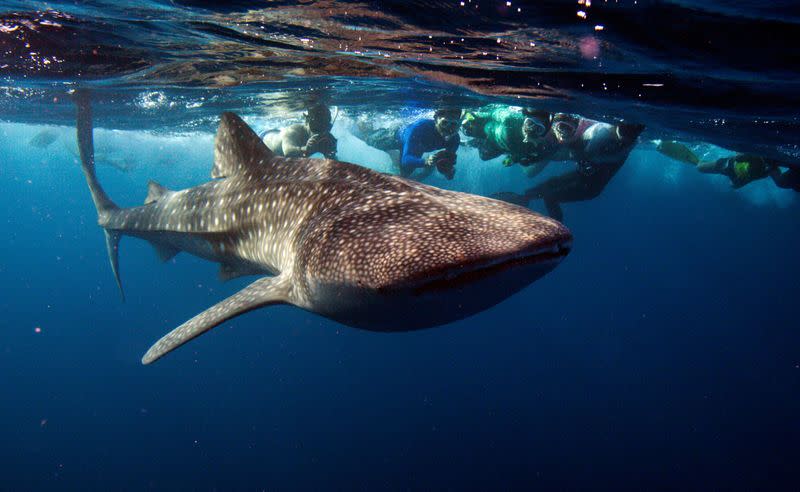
x=37, y=330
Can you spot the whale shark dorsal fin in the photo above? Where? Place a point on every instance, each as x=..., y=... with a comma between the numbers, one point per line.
x=155, y=192
x=237, y=149
x=262, y=292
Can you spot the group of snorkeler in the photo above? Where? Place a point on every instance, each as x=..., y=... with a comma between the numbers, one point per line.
x=534, y=138
x=527, y=137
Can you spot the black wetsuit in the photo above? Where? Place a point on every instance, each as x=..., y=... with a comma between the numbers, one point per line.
x=585, y=183
x=789, y=179
x=743, y=169
x=599, y=160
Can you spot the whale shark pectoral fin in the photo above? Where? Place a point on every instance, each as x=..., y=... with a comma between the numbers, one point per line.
x=262, y=292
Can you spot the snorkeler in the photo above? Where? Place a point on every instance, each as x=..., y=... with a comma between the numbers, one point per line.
x=741, y=169
x=523, y=135
x=600, y=153
x=303, y=140
x=406, y=146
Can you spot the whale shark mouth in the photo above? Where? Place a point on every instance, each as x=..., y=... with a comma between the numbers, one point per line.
x=547, y=257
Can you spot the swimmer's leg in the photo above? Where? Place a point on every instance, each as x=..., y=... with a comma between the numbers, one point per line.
x=554, y=209
x=384, y=139
x=535, y=169
x=511, y=197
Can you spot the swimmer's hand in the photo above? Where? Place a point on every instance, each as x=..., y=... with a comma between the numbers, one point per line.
x=324, y=143
x=445, y=162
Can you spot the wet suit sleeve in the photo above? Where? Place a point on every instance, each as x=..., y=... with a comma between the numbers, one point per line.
x=413, y=139
x=452, y=144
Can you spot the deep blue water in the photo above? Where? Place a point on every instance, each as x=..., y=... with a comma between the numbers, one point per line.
x=662, y=354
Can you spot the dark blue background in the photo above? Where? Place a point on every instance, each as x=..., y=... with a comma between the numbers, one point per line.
x=663, y=353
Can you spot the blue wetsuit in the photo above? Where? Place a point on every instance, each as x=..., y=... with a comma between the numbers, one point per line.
x=420, y=137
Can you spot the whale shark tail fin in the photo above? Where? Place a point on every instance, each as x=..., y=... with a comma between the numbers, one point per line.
x=102, y=202
x=262, y=292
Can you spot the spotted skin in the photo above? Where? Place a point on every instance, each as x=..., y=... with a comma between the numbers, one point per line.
x=260, y=293
x=369, y=250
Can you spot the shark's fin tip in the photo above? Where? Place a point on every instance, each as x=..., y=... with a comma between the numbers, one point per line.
x=112, y=244
x=264, y=291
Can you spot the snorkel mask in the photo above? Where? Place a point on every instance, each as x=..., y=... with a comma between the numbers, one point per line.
x=532, y=128
x=447, y=121
x=447, y=127
x=564, y=127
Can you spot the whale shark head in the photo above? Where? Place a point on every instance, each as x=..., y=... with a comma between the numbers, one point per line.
x=408, y=256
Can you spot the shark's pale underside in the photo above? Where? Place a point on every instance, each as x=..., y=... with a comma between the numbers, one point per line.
x=368, y=250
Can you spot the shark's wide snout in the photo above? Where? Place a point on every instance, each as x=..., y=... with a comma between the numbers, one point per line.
x=523, y=241
x=536, y=253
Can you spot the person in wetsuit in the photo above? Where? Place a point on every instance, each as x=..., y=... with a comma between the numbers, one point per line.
x=437, y=136
x=599, y=149
x=522, y=134
x=303, y=140
x=741, y=169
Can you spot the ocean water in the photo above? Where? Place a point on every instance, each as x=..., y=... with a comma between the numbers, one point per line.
x=662, y=353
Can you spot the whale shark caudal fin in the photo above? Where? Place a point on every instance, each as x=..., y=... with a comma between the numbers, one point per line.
x=102, y=203
x=262, y=292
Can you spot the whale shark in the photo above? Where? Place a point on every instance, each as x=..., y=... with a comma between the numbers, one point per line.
x=368, y=250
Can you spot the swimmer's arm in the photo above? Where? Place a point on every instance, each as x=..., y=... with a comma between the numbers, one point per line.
x=412, y=154
x=453, y=143
x=409, y=160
